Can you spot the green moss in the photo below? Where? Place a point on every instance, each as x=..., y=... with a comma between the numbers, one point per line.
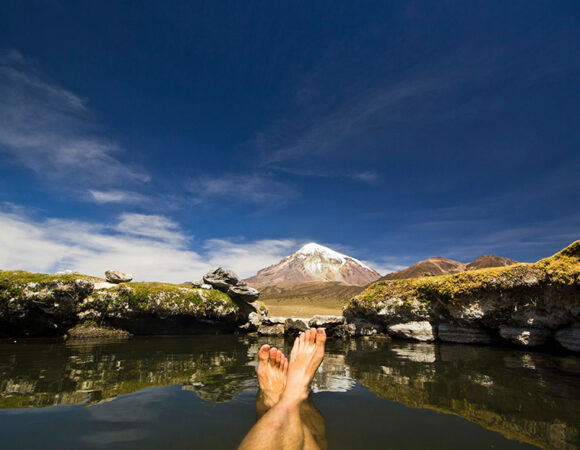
x=141, y=294
x=22, y=277
x=563, y=269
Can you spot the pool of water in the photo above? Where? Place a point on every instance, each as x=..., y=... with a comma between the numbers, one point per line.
x=200, y=392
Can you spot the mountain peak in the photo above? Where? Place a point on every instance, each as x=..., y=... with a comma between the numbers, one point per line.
x=315, y=262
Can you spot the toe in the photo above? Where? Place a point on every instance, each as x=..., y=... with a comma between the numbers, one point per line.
x=320, y=336
x=285, y=366
x=264, y=352
x=273, y=353
x=295, y=348
x=279, y=357
x=311, y=335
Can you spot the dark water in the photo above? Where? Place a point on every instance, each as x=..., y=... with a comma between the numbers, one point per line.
x=199, y=392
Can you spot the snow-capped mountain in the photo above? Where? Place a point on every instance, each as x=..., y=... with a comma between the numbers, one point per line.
x=314, y=262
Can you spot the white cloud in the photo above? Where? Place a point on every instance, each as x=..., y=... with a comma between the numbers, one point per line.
x=49, y=129
x=248, y=257
x=151, y=226
x=151, y=248
x=116, y=196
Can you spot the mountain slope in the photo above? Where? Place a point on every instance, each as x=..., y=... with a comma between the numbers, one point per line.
x=429, y=267
x=314, y=262
x=443, y=266
x=489, y=261
x=307, y=298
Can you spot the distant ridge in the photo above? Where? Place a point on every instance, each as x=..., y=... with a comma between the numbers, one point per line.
x=444, y=266
x=490, y=261
x=314, y=262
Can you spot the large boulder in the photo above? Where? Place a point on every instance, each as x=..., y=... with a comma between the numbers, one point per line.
x=418, y=331
x=363, y=327
x=294, y=326
x=227, y=281
x=114, y=276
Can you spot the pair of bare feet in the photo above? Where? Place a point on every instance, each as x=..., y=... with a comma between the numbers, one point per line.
x=288, y=380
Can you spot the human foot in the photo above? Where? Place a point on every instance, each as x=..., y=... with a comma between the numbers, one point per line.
x=306, y=356
x=272, y=374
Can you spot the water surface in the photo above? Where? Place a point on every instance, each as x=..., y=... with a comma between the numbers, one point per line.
x=199, y=392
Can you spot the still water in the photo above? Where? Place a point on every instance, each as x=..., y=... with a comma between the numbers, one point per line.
x=200, y=392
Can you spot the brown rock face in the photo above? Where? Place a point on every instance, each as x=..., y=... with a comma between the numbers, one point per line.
x=429, y=267
x=443, y=266
x=489, y=261
x=315, y=262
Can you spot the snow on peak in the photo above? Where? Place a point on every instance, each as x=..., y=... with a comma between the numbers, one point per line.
x=312, y=248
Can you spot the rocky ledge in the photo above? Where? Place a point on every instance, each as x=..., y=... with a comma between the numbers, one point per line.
x=51, y=304
x=524, y=304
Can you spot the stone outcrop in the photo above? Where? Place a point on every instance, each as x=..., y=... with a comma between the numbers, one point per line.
x=462, y=335
x=49, y=305
x=418, y=331
x=114, y=276
x=523, y=304
x=227, y=281
x=294, y=326
x=276, y=329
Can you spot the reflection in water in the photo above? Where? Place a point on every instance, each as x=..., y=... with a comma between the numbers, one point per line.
x=531, y=397
x=526, y=396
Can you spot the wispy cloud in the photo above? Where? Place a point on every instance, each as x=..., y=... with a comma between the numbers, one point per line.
x=368, y=177
x=288, y=139
x=116, y=196
x=151, y=226
x=253, y=188
x=150, y=247
x=50, y=129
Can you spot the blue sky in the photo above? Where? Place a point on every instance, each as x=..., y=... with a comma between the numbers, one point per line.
x=164, y=138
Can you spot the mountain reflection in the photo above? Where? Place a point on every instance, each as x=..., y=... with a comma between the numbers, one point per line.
x=527, y=396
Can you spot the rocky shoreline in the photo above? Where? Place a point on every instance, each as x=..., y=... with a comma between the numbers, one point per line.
x=42, y=305
x=527, y=305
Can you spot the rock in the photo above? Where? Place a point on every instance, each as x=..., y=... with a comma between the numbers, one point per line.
x=227, y=281
x=453, y=333
x=365, y=328
x=569, y=337
x=418, y=331
x=320, y=321
x=114, y=276
x=273, y=320
x=343, y=331
x=255, y=319
x=197, y=284
x=527, y=337
x=295, y=326
x=90, y=330
x=103, y=285
x=271, y=330
x=221, y=278
x=243, y=292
